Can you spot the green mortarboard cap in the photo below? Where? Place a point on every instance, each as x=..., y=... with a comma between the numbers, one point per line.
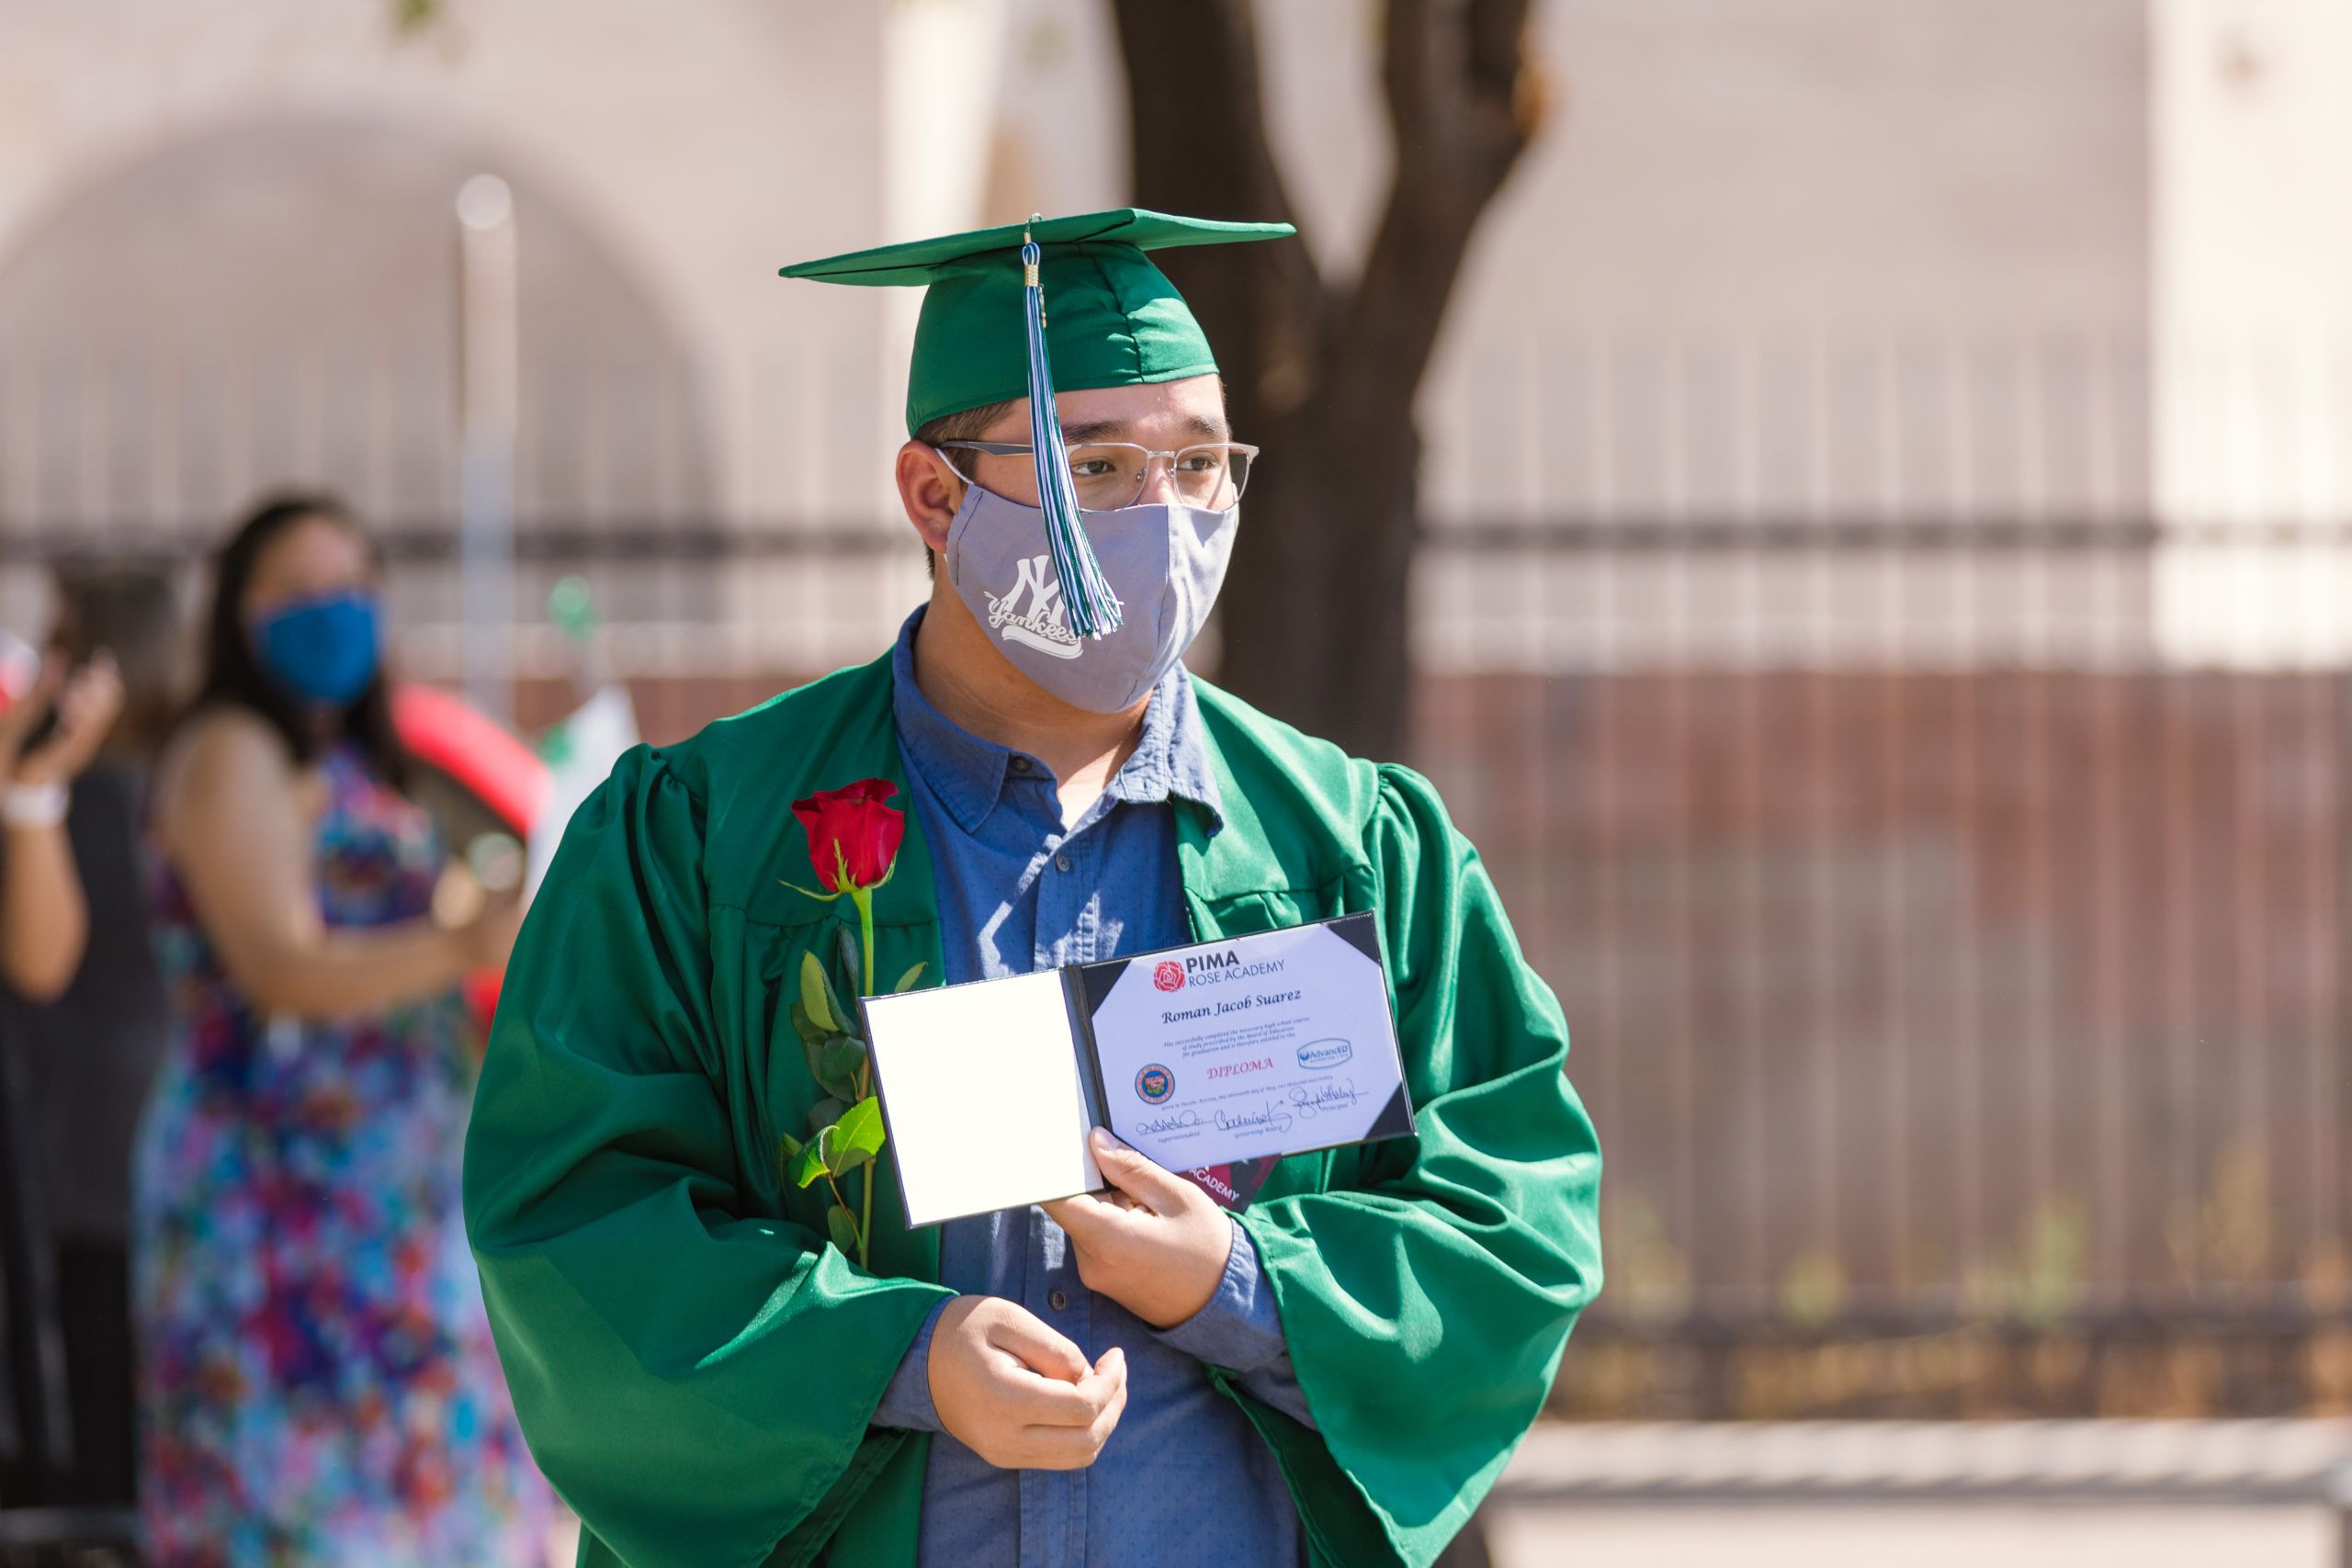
x=1028, y=309
x=1112, y=318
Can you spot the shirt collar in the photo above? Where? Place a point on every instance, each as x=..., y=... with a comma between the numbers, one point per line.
x=968, y=773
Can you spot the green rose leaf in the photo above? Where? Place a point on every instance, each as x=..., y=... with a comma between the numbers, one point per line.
x=806, y=1027
x=838, y=1061
x=907, y=981
x=815, y=994
x=825, y=1112
x=843, y=1227
x=857, y=1137
x=791, y=1150
x=812, y=1162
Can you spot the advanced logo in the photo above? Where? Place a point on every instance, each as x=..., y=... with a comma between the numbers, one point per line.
x=1325, y=1052
x=1169, y=976
x=1031, y=613
x=1154, y=1084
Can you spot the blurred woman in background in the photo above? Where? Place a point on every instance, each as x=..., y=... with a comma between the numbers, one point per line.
x=317, y=1382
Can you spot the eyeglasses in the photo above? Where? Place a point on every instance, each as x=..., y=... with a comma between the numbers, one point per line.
x=1109, y=475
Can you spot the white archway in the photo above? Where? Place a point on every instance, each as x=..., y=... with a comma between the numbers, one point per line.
x=275, y=301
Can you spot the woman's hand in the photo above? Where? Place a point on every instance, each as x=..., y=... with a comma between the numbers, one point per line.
x=481, y=921
x=86, y=702
x=488, y=937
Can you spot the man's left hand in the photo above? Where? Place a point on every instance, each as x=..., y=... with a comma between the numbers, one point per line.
x=1154, y=1244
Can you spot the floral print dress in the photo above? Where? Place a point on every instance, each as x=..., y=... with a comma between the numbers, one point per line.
x=317, y=1383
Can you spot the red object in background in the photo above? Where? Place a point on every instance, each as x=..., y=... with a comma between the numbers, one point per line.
x=481, y=757
x=493, y=765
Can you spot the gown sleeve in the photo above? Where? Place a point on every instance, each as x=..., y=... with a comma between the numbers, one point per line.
x=696, y=1378
x=1427, y=1303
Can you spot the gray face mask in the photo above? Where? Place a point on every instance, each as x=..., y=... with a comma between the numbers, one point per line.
x=1165, y=562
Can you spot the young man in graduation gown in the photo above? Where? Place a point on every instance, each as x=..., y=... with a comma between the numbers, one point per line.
x=1337, y=1372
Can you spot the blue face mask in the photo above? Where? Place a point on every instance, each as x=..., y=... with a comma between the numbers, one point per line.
x=322, y=649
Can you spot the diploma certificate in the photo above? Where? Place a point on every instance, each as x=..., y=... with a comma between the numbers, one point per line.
x=1213, y=1059
x=1267, y=1045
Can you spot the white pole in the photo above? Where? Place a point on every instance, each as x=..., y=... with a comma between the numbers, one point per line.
x=488, y=383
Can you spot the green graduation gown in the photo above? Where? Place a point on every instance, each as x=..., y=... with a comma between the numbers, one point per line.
x=695, y=1366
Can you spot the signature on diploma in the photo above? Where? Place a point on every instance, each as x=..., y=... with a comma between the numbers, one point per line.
x=1306, y=1099
x=1300, y=1102
x=1274, y=1118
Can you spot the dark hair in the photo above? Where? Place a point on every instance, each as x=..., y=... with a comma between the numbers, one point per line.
x=127, y=609
x=963, y=424
x=234, y=678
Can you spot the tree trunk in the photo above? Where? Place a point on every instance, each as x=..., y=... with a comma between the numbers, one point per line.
x=1324, y=378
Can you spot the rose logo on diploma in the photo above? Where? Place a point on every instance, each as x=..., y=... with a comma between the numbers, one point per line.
x=1168, y=976
x=1155, y=1084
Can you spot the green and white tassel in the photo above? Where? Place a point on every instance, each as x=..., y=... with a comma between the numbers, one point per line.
x=1093, y=609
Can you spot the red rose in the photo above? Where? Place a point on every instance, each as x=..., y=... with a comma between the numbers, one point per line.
x=853, y=837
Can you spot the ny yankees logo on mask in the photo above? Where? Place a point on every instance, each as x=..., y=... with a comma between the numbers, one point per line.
x=1040, y=626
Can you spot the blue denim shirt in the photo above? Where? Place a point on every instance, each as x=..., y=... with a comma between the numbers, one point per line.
x=1185, y=1479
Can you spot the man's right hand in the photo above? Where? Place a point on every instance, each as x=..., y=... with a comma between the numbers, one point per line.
x=1017, y=1394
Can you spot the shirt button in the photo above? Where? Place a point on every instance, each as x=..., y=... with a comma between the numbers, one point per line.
x=1021, y=765
x=1062, y=863
x=1059, y=1300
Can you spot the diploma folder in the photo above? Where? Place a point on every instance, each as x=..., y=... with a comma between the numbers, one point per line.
x=1208, y=1056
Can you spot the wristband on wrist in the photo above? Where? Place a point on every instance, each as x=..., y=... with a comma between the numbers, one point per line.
x=32, y=805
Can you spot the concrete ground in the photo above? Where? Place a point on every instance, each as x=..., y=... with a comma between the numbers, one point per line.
x=1936, y=1535
x=2145, y=1494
